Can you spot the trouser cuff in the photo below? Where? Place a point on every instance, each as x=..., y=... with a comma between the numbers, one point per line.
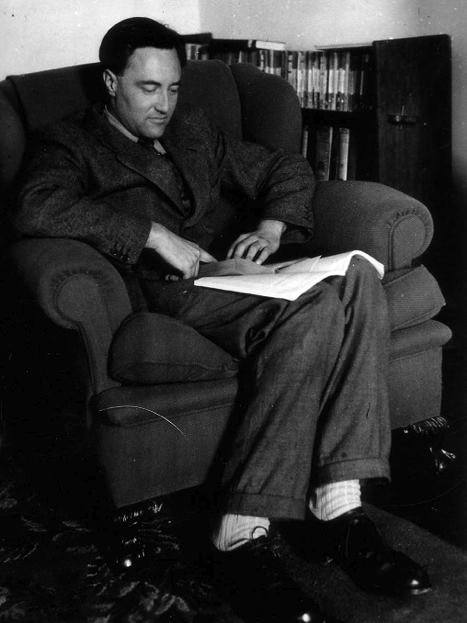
x=260, y=505
x=354, y=469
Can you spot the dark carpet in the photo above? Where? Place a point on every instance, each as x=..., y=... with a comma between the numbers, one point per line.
x=55, y=566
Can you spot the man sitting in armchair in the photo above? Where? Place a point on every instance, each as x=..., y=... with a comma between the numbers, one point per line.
x=149, y=186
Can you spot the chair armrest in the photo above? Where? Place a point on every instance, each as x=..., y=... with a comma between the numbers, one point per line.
x=382, y=221
x=77, y=288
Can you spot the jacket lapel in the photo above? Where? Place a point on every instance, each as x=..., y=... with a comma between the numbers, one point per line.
x=185, y=151
x=132, y=155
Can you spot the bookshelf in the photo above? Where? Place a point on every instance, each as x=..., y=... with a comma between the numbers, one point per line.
x=384, y=108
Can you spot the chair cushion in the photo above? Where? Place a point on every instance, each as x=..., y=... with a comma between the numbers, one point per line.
x=151, y=348
x=413, y=297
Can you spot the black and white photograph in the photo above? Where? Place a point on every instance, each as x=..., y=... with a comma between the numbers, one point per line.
x=233, y=369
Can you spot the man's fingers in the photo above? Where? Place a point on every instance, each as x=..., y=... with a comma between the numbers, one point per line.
x=233, y=251
x=254, y=249
x=238, y=246
x=263, y=256
x=250, y=248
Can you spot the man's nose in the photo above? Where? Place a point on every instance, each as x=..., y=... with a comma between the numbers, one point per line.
x=161, y=103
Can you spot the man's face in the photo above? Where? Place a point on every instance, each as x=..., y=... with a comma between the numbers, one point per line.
x=144, y=96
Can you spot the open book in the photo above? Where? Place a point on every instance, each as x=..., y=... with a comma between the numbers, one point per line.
x=284, y=280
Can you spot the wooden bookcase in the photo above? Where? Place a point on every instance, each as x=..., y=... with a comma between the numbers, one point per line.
x=401, y=134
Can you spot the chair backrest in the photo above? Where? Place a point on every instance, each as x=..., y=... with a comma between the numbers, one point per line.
x=240, y=99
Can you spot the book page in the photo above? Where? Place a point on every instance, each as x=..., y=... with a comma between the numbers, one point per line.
x=290, y=279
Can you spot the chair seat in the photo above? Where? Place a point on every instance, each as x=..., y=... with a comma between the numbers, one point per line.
x=141, y=405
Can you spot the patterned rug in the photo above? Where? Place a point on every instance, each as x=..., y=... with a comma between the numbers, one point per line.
x=55, y=565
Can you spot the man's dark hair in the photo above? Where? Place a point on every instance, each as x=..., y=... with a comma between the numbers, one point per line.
x=126, y=36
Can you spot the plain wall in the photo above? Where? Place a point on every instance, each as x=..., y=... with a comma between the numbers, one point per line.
x=43, y=34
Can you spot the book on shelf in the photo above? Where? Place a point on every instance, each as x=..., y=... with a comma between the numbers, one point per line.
x=286, y=280
x=344, y=75
x=196, y=52
x=323, y=151
x=275, y=62
x=330, y=150
x=363, y=82
x=292, y=68
x=196, y=45
x=323, y=81
x=342, y=153
x=269, y=61
x=333, y=80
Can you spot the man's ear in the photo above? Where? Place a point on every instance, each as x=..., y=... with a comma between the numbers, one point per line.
x=110, y=81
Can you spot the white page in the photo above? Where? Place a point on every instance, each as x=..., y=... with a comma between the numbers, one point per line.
x=287, y=283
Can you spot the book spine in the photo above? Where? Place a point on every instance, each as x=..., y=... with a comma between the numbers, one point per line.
x=342, y=155
x=346, y=96
x=363, y=87
x=333, y=81
x=323, y=80
x=324, y=134
x=292, y=60
x=315, y=72
x=203, y=53
x=301, y=77
x=278, y=63
x=308, y=80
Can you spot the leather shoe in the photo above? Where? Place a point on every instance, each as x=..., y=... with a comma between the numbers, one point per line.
x=353, y=541
x=258, y=588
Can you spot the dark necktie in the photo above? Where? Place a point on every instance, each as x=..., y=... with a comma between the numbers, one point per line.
x=148, y=143
x=173, y=173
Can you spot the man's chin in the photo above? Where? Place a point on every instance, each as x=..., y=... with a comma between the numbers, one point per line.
x=155, y=130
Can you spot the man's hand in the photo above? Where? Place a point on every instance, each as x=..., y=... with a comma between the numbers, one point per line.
x=183, y=255
x=258, y=245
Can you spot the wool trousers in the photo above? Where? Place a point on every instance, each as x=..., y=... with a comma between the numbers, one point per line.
x=312, y=406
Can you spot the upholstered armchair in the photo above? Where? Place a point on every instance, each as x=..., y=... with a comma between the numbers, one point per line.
x=155, y=428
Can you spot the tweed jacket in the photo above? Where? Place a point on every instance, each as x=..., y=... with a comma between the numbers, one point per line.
x=84, y=179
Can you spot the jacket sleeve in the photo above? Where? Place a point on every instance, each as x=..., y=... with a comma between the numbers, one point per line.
x=281, y=184
x=55, y=199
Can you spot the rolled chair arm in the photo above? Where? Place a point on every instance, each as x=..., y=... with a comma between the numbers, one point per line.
x=77, y=288
x=382, y=221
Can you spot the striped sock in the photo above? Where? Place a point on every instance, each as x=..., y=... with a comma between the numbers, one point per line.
x=334, y=499
x=235, y=530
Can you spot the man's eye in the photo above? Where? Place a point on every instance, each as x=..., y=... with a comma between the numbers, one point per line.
x=149, y=89
x=174, y=90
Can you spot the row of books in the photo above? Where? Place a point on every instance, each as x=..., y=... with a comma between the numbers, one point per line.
x=268, y=60
x=327, y=79
x=330, y=151
x=331, y=79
